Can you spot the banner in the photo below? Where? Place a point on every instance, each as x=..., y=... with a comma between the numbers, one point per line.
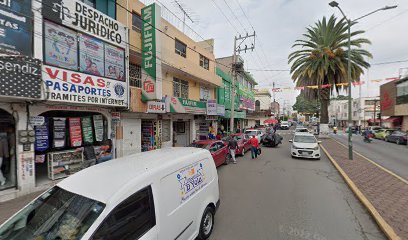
x=91, y=55
x=75, y=87
x=75, y=132
x=151, y=63
x=42, y=138
x=181, y=105
x=60, y=46
x=98, y=125
x=59, y=127
x=80, y=16
x=114, y=62
x=87, y=130
x=16, y=27
x=211, y=107
x=20, y=77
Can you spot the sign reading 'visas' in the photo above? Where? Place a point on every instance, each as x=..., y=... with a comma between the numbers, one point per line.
x=151, y=48
x=74, y=87
x=82, y=17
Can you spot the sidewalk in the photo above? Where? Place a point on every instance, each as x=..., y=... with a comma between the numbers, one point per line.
x=385, y=195
x=8, y=208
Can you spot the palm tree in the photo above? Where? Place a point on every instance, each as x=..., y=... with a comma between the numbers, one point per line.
x=322, y=60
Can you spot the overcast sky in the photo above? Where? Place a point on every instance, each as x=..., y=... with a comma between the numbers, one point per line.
x=278, y=23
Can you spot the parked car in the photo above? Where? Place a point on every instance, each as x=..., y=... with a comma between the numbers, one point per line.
x=256, y=132
x=243, y=143
x=217, y=148
x=284, y=125
x=305, y=145
x=272, y=139
x=382, y=133
x=397, y=137
x=151, y=196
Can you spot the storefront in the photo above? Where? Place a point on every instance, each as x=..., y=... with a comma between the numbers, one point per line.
x=8, y=159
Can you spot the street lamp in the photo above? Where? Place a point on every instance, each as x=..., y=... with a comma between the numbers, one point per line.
x=349, y=22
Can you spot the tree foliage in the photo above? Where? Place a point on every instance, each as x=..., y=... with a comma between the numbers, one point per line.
x=304, y=105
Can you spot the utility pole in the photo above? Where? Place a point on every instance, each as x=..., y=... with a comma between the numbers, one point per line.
x=273, y=91
x=237, y=49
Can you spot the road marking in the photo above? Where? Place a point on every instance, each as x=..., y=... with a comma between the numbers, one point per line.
x=376, y=164
x=387, y=229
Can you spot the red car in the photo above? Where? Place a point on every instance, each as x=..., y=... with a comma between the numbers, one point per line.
x=243, y=143
x=218, y=150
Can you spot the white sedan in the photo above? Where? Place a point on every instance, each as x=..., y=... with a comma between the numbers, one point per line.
x=258, y=133
x=305, y=145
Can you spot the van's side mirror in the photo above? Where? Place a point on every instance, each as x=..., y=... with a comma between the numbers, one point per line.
x=290, y=140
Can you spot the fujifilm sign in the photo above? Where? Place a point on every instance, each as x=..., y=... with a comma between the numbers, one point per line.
x=151, y=64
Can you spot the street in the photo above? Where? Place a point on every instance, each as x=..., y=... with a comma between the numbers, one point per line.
x=277, y=197
x=388, y=155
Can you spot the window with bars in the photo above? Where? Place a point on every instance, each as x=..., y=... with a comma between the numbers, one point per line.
x=180, y=88
x=204, y=62
x=181, y=48
x=135, y=75
x=137, y=22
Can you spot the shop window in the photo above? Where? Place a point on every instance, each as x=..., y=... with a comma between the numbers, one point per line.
x=181, y=48
x=131, y=219
x=137, y=22
x=135, y=75
x=204, y=93
x=204, y=62
x=7, y=151
x=180, y=88
x=257, y=105
x=91, y=3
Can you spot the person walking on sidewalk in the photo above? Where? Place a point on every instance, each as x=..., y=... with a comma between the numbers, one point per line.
x=254, y=147
x=232, y=147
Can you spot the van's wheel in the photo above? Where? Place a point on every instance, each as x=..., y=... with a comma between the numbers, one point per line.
x=207, y=223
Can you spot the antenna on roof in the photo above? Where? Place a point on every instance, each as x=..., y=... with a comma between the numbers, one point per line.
x=186, y=13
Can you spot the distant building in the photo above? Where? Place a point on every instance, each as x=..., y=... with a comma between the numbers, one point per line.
x=262, y=108
x=394, y=104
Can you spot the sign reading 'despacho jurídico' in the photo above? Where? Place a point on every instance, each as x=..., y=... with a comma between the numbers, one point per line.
x=87, y=19
x=75, y=87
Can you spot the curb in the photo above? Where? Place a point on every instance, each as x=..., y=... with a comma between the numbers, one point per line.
x=385, y=227
x=376, y=164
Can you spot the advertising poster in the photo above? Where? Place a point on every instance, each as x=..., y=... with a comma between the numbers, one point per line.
x=98, y=124
x=87, y=130
x=16, y=27
x=42, y=138
x=78, y=15
x=114, y=62
x=59, y=126
x=212, y=107
x=91, y=55
x=60, y=46
x=80, y=88
x=75, y=132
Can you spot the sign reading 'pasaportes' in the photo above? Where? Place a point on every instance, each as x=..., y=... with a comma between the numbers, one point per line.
x=82, y=17
x=151, y=66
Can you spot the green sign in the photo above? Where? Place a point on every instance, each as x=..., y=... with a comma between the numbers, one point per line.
x=87, y=130
x=151, y=65
x=236, y=114
x=181, y=105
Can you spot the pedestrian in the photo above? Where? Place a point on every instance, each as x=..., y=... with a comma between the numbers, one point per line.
x=254, y=147
x=232, y=147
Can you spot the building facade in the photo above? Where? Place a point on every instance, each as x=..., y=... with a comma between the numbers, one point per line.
x=263, y=108
x=394, y=104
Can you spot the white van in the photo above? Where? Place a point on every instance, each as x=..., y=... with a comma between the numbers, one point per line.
x=163, y=194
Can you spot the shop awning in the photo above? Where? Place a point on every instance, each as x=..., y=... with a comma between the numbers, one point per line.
x=375, y=120
x=236, y=114
x=270, y=121
x=393, y=119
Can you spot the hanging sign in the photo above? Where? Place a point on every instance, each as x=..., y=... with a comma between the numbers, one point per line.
x=80, y=16
x=16, y=27
x=220, y=110
x=212, y=107
x=36, y=120
x=75, y=132
x=98, y=124
x=156, y=107
x=42, y=138
x=87, y=130
x=151, y=63
x=75, y=87
x=181, y=105
x=59, y=132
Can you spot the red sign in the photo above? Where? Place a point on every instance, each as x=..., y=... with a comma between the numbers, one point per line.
x=75, y=132
x=148, y=86
x=115, y=115
x=386, y=102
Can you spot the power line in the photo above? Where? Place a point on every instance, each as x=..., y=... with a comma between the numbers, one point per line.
x=222, y=12
x=233, y=14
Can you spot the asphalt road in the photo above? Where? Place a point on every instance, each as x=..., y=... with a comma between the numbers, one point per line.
x=389, y=155
x=277, y=197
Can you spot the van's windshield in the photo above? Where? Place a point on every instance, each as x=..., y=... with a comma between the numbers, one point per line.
x=57, y=214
